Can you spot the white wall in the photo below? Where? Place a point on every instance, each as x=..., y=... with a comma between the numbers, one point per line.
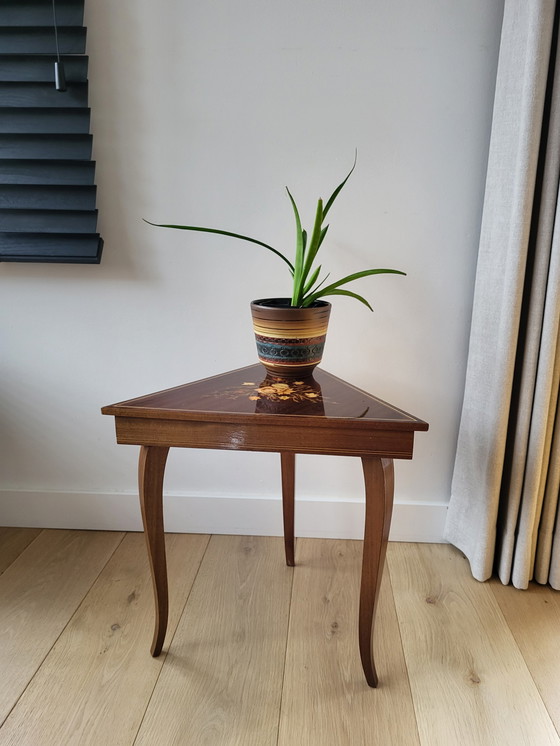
x=203, y=112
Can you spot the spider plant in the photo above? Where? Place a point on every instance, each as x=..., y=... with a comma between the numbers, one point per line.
x=307, y=284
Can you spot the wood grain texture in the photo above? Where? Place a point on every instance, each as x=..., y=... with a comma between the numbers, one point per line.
x=222, y=679
x=469, y=681
x=326, y=701
x=480, y=672
x=220, y=412
x=260, y=436
x=151, y=469
x=534, y=618
x=39, y=592
x=94, y=685
x=379, y=478
x=288, y=466
x=12, y=543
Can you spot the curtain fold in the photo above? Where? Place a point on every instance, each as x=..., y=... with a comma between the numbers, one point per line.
x=504, y=507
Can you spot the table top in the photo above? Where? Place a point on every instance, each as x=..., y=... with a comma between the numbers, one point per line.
x=248, y=395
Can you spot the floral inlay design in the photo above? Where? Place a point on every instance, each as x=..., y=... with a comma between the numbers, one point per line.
x=283, y=396
x=294, y=391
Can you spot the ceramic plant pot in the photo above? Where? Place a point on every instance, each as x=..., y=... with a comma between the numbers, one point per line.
x=290, y=340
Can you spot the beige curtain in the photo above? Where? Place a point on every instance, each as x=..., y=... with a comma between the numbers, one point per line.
x=504, y=509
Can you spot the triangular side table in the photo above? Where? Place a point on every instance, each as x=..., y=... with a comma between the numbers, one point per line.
x=246, y=411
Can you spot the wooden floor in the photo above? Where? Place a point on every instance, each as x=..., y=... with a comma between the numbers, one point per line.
x=258, y=653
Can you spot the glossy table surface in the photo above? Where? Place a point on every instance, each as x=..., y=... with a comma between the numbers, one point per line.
x=246, y=393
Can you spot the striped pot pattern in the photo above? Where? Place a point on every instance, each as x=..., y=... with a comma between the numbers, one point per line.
x=290, y=340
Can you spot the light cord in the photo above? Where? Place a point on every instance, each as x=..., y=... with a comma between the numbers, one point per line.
x=59, y=75
x=55, y=31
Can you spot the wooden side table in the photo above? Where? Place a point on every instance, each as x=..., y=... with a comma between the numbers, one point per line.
x=244, y=410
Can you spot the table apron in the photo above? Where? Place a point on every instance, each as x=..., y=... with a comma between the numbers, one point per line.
x=336, y=441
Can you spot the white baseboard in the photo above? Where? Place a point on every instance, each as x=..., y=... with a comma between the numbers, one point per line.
x=336, y=519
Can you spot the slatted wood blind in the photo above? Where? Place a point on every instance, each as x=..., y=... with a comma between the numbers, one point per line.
x=47, y=190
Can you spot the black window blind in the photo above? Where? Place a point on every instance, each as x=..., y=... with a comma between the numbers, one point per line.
x=47, y=189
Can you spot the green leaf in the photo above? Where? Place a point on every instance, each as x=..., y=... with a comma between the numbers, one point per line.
x=315, y=241
x=309, y=284
x=342, y=292
x=225, y=233
x=325, y=278
x=337, y=191
x=300, y=253
x=323, y=234
x=350, y=278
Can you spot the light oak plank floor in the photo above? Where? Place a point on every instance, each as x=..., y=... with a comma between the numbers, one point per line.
x=258, y=653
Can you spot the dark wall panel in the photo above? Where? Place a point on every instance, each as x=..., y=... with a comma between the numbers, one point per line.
x=47, y=190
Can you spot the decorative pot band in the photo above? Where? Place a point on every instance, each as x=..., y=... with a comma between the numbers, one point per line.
x=283, y=329
x=291, y=351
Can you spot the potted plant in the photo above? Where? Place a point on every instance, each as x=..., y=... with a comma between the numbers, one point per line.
x=290, y=332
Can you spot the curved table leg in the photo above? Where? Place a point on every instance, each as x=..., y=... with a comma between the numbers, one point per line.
x=288, y=461
x=151, y=468
x=379, y=484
